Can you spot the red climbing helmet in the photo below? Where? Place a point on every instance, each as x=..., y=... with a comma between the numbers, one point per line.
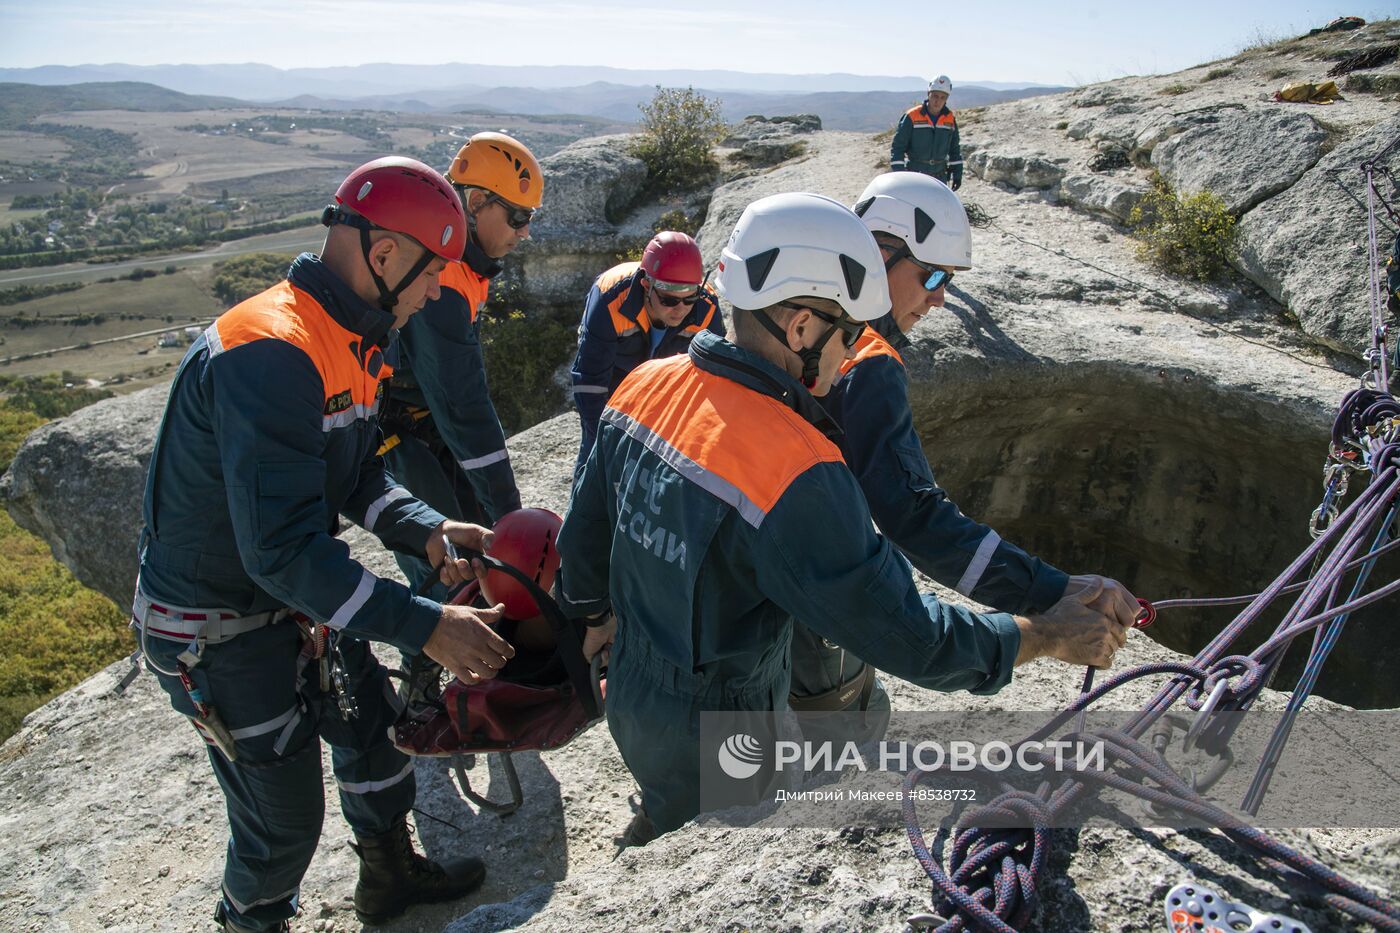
x=408, y=197
x=672, y=261
x=525, y=539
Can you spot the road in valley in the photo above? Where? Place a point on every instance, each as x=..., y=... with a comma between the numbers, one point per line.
x=309, y=237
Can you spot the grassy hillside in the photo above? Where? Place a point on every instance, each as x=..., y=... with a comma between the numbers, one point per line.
x=20, y=103
x=54, y=632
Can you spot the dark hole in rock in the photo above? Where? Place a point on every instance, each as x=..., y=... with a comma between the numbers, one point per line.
x=1176, y=487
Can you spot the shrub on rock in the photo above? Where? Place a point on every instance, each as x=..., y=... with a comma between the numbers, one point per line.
x=1192, y=236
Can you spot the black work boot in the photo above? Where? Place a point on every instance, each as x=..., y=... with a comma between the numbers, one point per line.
x=228, y=926
x=393, y=877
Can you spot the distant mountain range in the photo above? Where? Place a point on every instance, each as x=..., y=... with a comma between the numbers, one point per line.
x=853, y=102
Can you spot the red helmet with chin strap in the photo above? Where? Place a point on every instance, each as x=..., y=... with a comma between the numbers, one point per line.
x=406, y=197
x=673, y=259
x=525, y=539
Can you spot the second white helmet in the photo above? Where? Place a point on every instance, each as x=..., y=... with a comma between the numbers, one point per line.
x=941, y=83
x=921, y=211
x=803, y=245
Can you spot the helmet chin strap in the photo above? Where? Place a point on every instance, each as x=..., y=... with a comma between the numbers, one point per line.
x=811, y=357
x=388, y=297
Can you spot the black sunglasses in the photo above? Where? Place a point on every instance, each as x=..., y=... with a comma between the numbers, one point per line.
x=516, y=217
x=670, y=301
x=850, y=330
x=937, y=278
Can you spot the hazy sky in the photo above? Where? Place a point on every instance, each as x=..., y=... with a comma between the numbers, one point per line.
x=1065, y=42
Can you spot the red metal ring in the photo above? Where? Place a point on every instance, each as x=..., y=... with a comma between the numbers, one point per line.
x=1147, y=616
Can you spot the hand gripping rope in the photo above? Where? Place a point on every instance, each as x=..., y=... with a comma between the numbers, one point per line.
x=991, y=875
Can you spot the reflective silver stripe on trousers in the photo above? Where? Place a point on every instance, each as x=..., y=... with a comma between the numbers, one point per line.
x=378, y=505
x=263, y=728
x=355, y=603
x=477, y=463
x=243, y=908
x=369, y=787
x=590, y=390
x=973, y=574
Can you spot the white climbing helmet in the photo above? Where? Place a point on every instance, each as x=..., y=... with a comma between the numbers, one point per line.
x=941, y=84
x=921, y=211
x=803, y=246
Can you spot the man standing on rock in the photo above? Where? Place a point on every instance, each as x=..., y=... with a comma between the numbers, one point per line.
x=639, y=311
x=251, y=613
x=926, y=139
x=924, y=237
x=714, y=507
x=442, y=438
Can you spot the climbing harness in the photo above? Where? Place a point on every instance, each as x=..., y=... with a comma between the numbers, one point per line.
x=989, y=880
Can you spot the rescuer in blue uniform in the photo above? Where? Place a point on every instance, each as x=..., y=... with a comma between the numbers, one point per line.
x=442, y=438
x=924, y=237
x=639, y=311
x=250, y=611
x=927, y=139
x=714, y=507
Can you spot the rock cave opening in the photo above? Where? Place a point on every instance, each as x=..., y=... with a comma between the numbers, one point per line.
x=1173, y=485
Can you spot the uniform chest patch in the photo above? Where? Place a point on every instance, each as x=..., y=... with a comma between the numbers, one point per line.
x=338, y=402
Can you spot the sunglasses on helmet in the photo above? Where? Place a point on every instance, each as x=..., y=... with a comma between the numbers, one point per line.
x=516, y=217
x=850, y=330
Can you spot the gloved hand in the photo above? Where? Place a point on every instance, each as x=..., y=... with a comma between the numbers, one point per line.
x=957, y=180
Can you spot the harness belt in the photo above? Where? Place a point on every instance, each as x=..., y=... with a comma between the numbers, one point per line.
x=858, y=688
x=211, y=626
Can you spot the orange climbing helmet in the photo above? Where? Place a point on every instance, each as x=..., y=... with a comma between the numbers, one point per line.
x=504, y=166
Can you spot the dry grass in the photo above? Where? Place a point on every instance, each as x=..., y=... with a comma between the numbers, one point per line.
x=185, y=296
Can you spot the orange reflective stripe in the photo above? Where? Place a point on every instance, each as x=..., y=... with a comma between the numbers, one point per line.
x=917, y=115
x=285, y=312
x=868, y=347
x=459, y=277
x=948, y=121
x=742, y=446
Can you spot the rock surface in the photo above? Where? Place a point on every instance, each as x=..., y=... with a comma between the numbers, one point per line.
x=1290, y=169
x=1015, y=169
x=592, y=215
x=1213, y=156
x=1182, y=425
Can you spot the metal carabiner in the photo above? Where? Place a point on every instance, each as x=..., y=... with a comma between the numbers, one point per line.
x=1317, y=527
x=1206, y=709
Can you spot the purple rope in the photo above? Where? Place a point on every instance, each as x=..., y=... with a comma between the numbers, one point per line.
x=994, y=872
x=1222, y=601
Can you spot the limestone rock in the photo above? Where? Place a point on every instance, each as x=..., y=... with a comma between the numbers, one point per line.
x=590, y=185
x=1244, y=157
x=1307, y=246
x=1018, y=170
x=590, y=217
x=1100, y=194
x=78, y=482
x=757, y=127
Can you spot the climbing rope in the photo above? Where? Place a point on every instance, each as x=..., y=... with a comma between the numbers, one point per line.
x=999, y=851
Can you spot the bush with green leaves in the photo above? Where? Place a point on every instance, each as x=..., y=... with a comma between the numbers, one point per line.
x=54, y=632
x=680, y=128
x=238, y=279
x=678, y=220
x=1192, y=236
